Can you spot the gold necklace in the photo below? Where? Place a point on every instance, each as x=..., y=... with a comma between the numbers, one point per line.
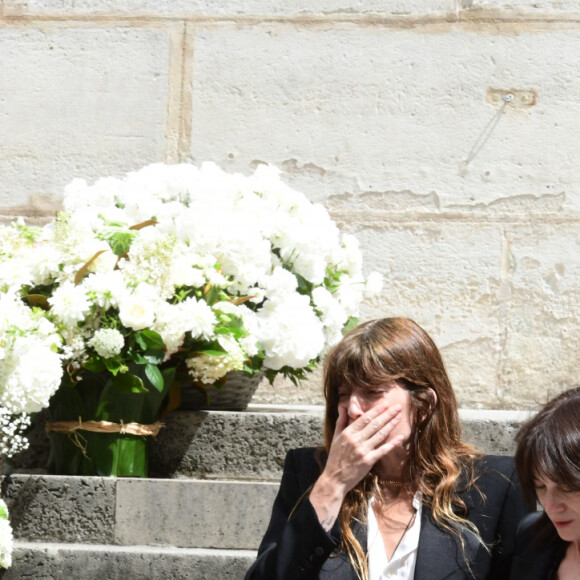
x=392, y=482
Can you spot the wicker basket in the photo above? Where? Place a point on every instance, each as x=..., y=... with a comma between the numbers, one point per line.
x=234, y=395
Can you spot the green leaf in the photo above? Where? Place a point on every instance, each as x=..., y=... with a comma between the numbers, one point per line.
x=3, y=512
x=350, y=324
x=114, y=365
x=212, y=352
x=95, y=365
x=120, y=242
x=155, y=377
x=149, y=340
x=128, y=383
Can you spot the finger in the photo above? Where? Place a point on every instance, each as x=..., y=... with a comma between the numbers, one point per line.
x=382, y=434
x=341, y=422
x=386, y=448
x=375, y=419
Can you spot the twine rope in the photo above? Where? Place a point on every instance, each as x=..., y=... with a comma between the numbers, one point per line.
x=71, y=427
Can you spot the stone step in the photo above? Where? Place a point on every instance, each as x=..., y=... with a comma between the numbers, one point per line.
x=132, y=511
x=56, y=561
x=252, y=444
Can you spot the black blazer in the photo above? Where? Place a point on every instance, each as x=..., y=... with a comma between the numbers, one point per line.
x=539, y=549
x=298, y=548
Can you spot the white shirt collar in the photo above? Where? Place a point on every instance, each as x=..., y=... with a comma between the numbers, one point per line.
x=402, y=564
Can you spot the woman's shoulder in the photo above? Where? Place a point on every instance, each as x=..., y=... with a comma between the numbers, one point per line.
x=494, y=470
x=304, y=464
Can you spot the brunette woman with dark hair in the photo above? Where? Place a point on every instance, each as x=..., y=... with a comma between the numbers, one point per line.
x=394, y=493
x=548, y=463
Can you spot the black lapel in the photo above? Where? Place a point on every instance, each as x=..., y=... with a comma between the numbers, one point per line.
x=338, y=566
x=440, y=556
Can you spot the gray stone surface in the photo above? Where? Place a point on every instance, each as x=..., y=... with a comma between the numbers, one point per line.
x=43, y=561
x=218, y=444
x=492, y=431
x=133, y=512
x=253, y=444
x=185, y=513
x=64, y=509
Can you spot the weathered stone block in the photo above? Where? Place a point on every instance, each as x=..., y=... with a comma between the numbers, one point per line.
x=67, y=561
x=231, y=8
x=373, y=109
x=186, y=513
x=221, y=444
x=73, y=106
x=62, y=509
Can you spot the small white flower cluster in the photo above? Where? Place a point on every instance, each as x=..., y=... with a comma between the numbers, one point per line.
x=30, y=368
x=6, y=539
x=192, y=253
x=108, y=342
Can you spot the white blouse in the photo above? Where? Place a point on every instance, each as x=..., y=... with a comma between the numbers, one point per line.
x=402, y=564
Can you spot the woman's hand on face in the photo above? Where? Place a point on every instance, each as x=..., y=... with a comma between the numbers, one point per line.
x=354, y=450
x=357, y=447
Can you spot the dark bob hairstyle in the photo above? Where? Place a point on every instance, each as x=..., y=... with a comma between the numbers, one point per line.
x=549, y=445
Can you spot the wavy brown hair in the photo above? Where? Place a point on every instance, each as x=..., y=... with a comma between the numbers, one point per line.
x=398, y=350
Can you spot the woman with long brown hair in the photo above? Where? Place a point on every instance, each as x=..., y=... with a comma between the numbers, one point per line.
x=394, y=493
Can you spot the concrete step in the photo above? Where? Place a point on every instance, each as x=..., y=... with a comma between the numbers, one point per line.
x=56, y=561
x=252, y=444
x=130, y=511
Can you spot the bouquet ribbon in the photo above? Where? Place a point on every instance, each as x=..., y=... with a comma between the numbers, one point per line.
x=104, y=427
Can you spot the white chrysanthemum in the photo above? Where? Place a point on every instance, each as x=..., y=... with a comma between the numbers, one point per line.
x=208, y=369
x=6, y=539
x=69, y=303
x=199, y=318
x=137, y=311
x=108, y=342
x=290, y=332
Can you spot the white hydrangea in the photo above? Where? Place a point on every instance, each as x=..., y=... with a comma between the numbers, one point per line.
x=108, y=342
x=290, y=332
x=208, y=369
x=30, y=374
x=6, y=539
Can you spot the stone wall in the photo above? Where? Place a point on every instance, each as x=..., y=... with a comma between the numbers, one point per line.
x=441, y=132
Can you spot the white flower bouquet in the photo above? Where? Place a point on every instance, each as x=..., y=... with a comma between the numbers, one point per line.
x=6, y=540
x=171, y=267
